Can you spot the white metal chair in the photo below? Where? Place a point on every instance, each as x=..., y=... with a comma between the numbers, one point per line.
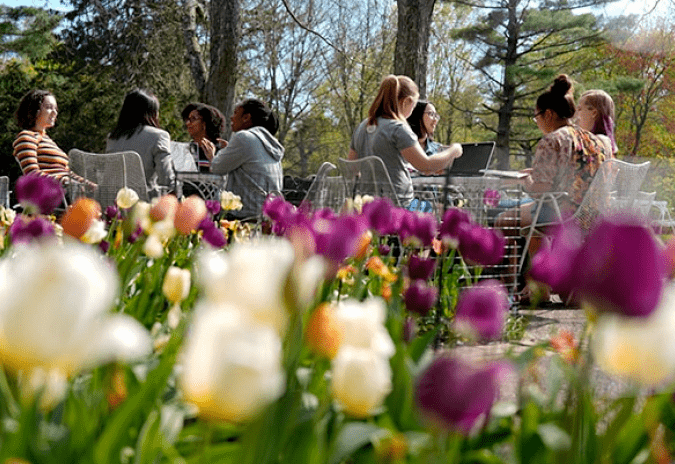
x=367, y=176
x=626, y=194
x=110, y=172
x=4, y=191
x=326, y=191
x=615, y=186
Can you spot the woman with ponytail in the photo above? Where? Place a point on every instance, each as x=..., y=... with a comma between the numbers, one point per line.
x=387, y=135
x=596, y=114
x=252, y=158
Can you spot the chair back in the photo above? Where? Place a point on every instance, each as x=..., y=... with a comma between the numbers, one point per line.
x=4, y=191
x=367, y=176
x=626, y=191
x=325, y=191
x=110, y=172
x=597, y=199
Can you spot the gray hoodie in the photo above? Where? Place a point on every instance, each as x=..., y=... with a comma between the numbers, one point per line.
x=252, y=162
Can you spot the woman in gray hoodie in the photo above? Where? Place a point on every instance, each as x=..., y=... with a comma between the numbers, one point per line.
x=252, y=158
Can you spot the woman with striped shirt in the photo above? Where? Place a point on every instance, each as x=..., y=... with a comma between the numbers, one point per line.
x=35, y=151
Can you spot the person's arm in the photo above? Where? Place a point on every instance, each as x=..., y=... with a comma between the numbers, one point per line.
x=352, y=155
x=544, y=167
x=234, y=154
x=25, y=152
x=163, y=162
x=431, y=163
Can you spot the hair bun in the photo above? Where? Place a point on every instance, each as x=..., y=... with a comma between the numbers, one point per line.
x=562, y=85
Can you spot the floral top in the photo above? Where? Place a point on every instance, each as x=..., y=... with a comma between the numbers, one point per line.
x=568, y=159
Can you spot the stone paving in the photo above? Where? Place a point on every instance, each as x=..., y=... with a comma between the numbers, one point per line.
x=542, y=323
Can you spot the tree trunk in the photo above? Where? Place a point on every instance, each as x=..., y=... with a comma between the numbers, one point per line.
x=225, y=35
x=508, y=94
x=197, y=64
x=412, y=40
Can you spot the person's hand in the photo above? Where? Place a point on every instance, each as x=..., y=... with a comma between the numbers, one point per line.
x=222, y=143
x=208, y=147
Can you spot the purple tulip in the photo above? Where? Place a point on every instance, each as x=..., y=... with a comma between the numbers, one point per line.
x=135, y=234
x=379, y=214
x=384, y=249
x=276, y=208
x=481, y=246
x=418, y=229
x=483, y=308
x=25, y=229
x=420, y=268
x=455, y=394
x=111, y=213
x=420, y=298
x=337, y=239
x=409, y=329
x=455, y=220
x=554, y=262
x=491, y=198
x=38, y=194
x=621, y=267
x=212, y=234
x=104, y=246
x=212, y=206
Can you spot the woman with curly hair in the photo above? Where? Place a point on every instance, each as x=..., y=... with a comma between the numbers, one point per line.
x=205, y=124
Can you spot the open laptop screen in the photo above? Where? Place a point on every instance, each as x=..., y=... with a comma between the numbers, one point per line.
x=474, y=161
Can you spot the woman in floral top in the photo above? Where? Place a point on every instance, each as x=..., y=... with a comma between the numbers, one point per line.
x=565, y=160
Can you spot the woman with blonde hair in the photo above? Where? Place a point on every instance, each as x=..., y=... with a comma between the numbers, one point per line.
x=387, y=135
x=595, y=113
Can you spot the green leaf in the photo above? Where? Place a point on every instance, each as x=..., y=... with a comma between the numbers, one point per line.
x=419, y=345
x=116, y=432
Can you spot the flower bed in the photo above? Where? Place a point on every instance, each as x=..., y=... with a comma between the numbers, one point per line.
x=163, y=333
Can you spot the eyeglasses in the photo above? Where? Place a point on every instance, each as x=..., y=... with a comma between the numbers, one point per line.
x=433, y=115
x=537, y=114
x=193, y=119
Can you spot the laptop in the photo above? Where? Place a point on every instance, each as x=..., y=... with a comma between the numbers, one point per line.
x=183, y=161
x=474, y=161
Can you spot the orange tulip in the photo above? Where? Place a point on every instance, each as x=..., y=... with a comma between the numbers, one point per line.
x=165, y=207
x=79, y=217
x=189, y=214
x=324, y=333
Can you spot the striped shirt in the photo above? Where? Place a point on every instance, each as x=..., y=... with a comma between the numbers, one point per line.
x=38, y=153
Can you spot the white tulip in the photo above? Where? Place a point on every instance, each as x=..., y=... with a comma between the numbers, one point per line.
x=176, y=285
x=231, y=368
x=361, y=380
x=153, y=247
x=95, y=233
x=126, y=198
x=363, y=324
x=54, y=312
x=251, y=276
x=640, y=349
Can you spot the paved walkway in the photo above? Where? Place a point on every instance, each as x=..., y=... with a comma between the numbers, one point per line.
x=541, y=325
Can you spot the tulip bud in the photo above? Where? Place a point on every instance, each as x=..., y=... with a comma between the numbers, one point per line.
x=361, y=380
x=153, y=247
x=324, y=334
x=126, y=198
x=189, y=214
x=176, y=286
x=164, y=208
